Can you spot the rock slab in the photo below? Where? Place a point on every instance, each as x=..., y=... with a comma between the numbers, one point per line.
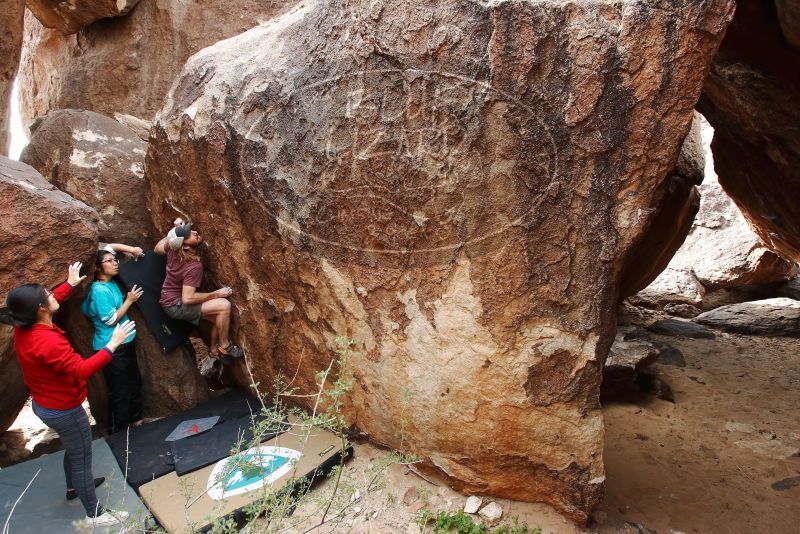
x=69, y=17
x=679, y=203
x=98, y=161
x=455, y=186
x=126, y=64
x=677, y=327
x=31, y=251
x=769, y=317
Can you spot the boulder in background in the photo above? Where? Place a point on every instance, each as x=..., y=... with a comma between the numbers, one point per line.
x=42, y=230
x=69, y=17
x=98, y=161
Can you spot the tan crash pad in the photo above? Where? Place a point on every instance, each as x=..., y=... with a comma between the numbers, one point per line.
x=192, y=501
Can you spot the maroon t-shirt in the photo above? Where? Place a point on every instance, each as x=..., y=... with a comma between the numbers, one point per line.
x=179, y=273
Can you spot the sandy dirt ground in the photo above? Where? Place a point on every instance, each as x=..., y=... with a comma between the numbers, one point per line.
x=705, y=464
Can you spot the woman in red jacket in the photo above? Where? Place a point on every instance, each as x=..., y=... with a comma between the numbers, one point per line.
x=56, y=376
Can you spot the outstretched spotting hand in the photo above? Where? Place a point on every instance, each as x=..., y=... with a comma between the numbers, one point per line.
x=224, y=292
x=121, y=332
x=74, y=274
x=134, y=294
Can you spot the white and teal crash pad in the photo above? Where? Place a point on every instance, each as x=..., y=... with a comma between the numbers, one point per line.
x=191, y=502
x=43, y=507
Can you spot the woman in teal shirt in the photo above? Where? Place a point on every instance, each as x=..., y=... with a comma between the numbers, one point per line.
x=105, y=307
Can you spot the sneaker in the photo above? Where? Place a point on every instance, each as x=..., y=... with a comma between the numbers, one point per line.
x=72, y=494
x=108, y=517
x=231, y=351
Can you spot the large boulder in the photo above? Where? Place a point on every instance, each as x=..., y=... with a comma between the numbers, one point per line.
x=126, y=64
x=98, y=161
x=455, y=186
x=42, y=230
x=69, y=17
x=11, y=31
x=752, y=98
x=720, y=252
x=673, y=219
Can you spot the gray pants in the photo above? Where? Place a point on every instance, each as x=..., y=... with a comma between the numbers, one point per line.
x=76, y=435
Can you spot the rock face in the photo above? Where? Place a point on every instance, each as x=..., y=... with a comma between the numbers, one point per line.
x=69, y=17
x=171, y=382
x=30, y=251
x=126, y=64
x=678, y=206
x=453, y=185
x=752, y=98
x=98, y=161
x=720, y=252
x=770, y=317
x=11, y=31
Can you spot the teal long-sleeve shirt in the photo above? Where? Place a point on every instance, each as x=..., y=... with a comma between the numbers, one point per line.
x=101, y=307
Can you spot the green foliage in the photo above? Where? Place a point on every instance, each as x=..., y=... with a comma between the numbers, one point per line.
x=461, y=523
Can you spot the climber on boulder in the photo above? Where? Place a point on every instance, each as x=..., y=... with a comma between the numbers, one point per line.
x=179, y=296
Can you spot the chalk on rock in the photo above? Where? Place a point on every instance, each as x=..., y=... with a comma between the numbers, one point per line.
x=492, y=512
x=472, y=505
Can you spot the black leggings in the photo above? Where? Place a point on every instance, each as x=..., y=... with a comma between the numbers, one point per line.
x=76, y=435
x=124, y=388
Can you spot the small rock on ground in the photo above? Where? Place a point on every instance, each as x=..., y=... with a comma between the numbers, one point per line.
x=492, y=512
x=786, y=483
x=473, y=504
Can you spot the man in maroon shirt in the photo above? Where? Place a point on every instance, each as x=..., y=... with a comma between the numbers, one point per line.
x=179, y=296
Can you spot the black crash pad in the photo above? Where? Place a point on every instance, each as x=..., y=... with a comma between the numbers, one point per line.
x=42, y=507
x=143, y=449
x=196, y=452
x=148, y=273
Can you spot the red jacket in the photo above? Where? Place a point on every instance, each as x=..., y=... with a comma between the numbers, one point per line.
x=53, y=371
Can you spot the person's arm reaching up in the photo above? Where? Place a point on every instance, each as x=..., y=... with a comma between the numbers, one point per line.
x=136, y=252
x=161, y=246
x=74, y=279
